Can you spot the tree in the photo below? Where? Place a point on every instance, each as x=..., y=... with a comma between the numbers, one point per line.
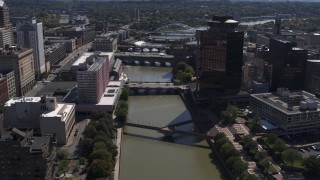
x=239, y=167
x=279, y=146
x=221, y=142
x=260, y=155
x=62, y=154
x=98, y=169
x=90, y=131
x=248, y=176
x=291, y=156
x=227, y=118
x=102, y=154
x=227, y=150
x=271, y=138
x=265, y=163
x=230, y=161
x=250, y=144
x=312, y=166
x=219, y=135
x=125, y=93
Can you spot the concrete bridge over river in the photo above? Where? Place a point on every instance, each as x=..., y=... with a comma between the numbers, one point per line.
x=170, y=129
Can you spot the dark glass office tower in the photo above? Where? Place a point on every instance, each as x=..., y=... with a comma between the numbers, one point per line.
x=221, y=50
x=288, y=64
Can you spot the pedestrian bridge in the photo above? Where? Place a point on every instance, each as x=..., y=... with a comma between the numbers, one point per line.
x=170, y=130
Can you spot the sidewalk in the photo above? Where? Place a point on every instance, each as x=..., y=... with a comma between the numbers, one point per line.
x=118, y=144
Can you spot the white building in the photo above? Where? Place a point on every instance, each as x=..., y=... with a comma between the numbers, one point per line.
x=30, y=35
x=57, y=119
x=42, y=113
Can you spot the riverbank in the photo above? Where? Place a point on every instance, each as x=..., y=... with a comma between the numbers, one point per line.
x=118, y=144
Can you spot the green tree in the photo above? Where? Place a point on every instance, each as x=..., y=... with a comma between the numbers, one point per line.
x=227, y=118
x=250, y=144
x=312, y=166
x=227, y=150
x=248, y=176
x=271, y=139
x=90, y=131
x=265, y=163
x=62, y=154
x=98, y=169
x=279, y=146
x=125, y=93
x=260, y=155
x=291, y=156
x=239, y=167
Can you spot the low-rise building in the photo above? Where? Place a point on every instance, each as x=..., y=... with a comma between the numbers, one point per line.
x=70, y=43
x=58, y=119
x=105, y=43
x=55, y=52
x=292, y=112
x=24, y=156
x=43, y=113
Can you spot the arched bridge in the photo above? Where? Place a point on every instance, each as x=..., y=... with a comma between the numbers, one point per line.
x=170, y=130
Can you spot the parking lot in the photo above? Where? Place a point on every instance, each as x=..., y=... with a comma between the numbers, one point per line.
x=308, y=151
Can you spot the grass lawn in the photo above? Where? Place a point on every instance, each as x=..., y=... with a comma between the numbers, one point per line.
x=296, y=164
x=272, y=170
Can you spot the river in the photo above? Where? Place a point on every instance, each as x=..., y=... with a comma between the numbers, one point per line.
x=148, y=74
x=145, y=155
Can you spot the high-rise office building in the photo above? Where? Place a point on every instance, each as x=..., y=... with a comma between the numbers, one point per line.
x=92, y=78
x=21, y=62
x=4, y=15
x=221, y=50
x=6, y=33
x=30, y=35
x=288, y=64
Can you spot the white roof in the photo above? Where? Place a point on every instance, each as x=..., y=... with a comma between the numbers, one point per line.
x=139, y=43
x=1, y=3
x=22, y=99
x=62, y=110
x=84, y=56
x=110, y=95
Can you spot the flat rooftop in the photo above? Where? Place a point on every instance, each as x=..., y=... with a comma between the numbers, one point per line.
x=136, y=54
x=110, y=94
x=84, y=56
x=279, y=102
x=62, y=110
x=22, y=99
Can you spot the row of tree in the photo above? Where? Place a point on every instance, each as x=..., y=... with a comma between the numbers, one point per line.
x=97, y=146
x=231, y=156
x=122, y=108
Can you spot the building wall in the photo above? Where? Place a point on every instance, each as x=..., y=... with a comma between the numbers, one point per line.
x=56, y=54
x=6, y=37
x=23, y=115
x=31, y=165
x=4, y=95
x=11, y=84
x=300, y=122
x=4, y=16
x=288, y=65
x=91, y=84
x=61, y=126
x=221, y=60
x=105, y=45
x=22, y=63
x=30, y=35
